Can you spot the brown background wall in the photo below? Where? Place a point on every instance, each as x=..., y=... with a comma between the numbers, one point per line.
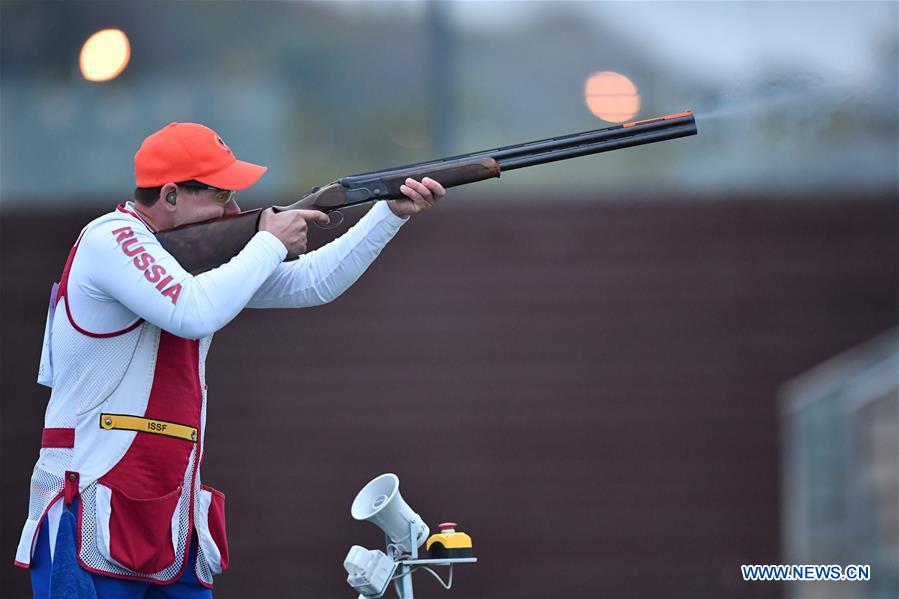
x=590, y=390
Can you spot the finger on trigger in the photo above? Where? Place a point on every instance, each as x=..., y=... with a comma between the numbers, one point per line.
x=315, y=215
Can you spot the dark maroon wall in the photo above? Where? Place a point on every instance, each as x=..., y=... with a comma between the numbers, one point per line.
x=590, y=390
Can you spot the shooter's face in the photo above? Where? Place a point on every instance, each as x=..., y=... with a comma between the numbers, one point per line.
x=202, y=205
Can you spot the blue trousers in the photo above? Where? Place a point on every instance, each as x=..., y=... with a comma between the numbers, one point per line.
x=107, y=587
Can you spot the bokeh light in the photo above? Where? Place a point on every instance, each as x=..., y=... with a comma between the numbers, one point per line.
x=105, y=55
x=612, y=97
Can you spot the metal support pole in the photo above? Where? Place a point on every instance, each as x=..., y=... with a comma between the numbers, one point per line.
x=403, y=571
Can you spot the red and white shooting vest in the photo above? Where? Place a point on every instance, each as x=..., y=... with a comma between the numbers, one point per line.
x=124, y=427
x=140, y=492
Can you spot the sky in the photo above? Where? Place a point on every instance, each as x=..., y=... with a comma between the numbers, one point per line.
x=723, y=39
x=693, y=33
x=805, y=81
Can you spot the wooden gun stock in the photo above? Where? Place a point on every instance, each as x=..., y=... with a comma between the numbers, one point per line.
x=208, y=244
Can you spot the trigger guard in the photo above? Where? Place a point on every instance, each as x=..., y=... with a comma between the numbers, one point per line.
x=332, y=224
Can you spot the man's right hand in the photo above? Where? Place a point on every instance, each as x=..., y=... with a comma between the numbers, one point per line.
x=290, y=227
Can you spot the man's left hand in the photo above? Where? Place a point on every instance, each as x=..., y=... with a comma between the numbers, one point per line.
x=419, y=196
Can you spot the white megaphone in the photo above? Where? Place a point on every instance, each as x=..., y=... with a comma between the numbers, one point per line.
x=380, y=502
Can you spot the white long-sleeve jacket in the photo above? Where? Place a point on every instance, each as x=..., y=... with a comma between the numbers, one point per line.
x=121, y=274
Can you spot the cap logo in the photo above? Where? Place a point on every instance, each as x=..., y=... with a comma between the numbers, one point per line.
x=219, y=141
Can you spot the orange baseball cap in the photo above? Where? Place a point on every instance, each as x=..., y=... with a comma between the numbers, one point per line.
x=184, y=151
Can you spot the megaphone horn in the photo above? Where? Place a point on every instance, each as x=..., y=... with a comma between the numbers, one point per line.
x=380, y=502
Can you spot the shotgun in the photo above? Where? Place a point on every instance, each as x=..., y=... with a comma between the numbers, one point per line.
x=205, y=245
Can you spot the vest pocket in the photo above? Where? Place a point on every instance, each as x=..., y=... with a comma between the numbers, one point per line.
x=210, y=527
x=137, y=534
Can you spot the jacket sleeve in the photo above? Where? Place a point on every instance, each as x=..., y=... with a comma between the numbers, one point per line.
x=321, y=276
x=121, y=260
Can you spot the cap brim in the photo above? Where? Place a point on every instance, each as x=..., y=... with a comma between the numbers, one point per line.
x=239, y=175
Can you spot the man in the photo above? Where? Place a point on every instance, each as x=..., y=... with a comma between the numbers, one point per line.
x=124, y=352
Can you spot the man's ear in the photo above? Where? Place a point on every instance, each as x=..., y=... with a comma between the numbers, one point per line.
x=168, y=193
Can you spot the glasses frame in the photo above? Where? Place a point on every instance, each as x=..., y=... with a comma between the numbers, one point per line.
x=222, y=196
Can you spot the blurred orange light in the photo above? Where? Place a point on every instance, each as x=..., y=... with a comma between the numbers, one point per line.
x=612, y=97
x=105, y=55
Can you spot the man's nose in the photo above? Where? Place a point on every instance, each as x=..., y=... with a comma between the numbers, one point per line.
x=232, y=208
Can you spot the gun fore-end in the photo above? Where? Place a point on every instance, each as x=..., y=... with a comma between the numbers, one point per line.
x=202, y=246
x=450, y=174
x=385, y=185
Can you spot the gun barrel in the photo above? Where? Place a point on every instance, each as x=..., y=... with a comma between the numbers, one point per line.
x=606, y=145
x=542, y=146
x=599, y=136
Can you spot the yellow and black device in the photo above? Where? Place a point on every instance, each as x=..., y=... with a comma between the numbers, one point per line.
x=448, y=543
